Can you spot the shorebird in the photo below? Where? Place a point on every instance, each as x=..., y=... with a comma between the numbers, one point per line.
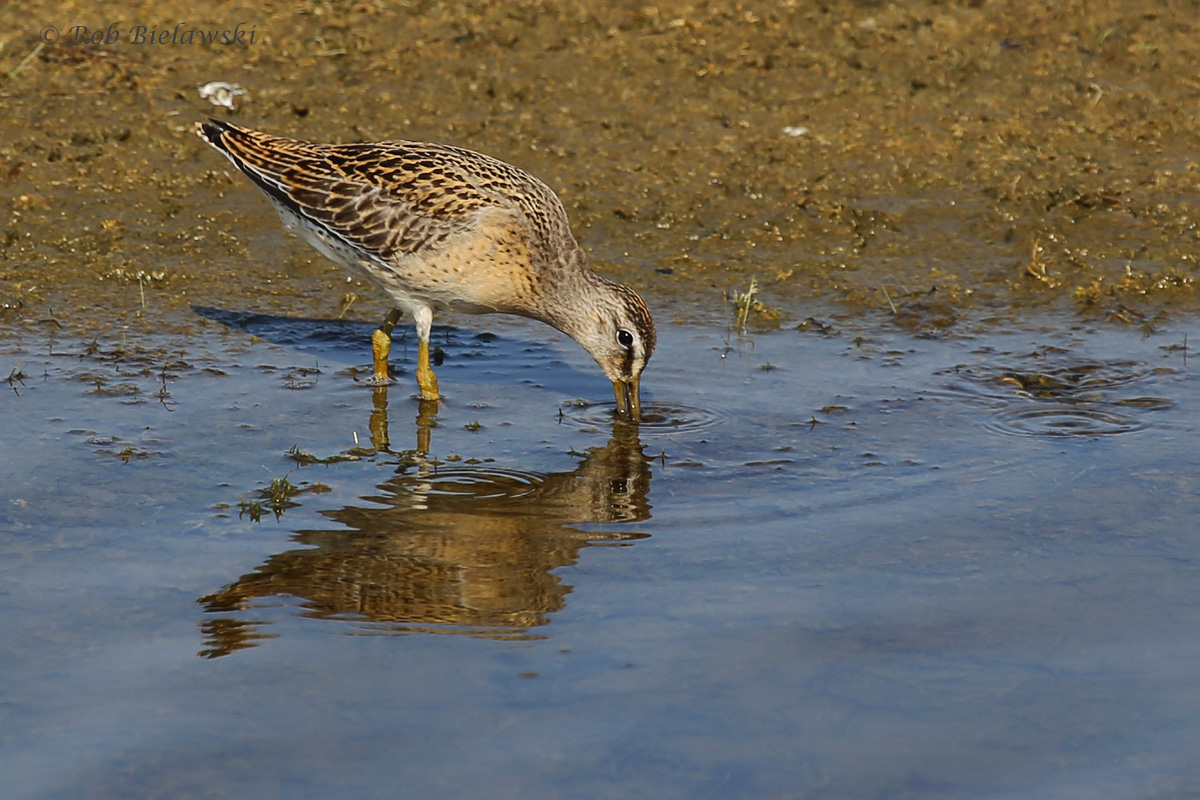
x=439, y=227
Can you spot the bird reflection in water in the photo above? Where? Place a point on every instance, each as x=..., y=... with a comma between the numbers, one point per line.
x=444, y=549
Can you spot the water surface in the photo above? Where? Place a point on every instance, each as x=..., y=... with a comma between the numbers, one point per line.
x=840, y=564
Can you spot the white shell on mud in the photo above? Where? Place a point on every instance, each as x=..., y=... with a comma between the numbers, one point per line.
x=220, y=93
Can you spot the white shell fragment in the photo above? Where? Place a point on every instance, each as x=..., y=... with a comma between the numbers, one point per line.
x=220, y=93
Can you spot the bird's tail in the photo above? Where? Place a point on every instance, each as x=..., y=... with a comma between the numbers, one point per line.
x=214, y=132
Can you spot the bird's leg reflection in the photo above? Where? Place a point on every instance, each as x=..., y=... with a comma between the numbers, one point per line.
x=426, y=422
x=378, y=424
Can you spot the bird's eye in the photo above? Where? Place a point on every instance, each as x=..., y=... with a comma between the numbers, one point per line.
x=625, y=338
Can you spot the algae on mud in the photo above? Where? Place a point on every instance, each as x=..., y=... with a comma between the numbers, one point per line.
x=845, y=153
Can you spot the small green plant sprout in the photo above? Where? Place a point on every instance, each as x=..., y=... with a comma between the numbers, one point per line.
x=743, y=302
x=14, y=377
x=250, y=508
x=305, y=458
x=747, y=303
x=279, y=496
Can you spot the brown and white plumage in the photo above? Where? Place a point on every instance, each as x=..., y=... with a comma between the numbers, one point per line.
x=439, y=227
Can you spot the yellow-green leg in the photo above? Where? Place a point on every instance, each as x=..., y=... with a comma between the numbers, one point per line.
x=381, y=346
x=426, y=380
x=425, y=377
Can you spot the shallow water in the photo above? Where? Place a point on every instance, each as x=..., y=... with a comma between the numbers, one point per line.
x=847, y=565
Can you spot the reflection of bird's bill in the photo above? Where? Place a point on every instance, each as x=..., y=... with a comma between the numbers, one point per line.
x=629, y=397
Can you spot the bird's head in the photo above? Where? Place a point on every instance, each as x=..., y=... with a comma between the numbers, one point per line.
x=619, y=333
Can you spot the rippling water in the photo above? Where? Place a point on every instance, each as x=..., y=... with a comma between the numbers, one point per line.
x=657, y=418
x=849, y=565
x=1050, y=393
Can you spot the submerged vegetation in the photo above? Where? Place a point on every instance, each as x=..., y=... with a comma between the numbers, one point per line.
x=276, y=497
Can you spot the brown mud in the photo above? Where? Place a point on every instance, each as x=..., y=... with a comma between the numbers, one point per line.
x=936, y=162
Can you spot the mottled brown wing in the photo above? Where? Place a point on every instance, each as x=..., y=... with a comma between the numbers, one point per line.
x=389, y=199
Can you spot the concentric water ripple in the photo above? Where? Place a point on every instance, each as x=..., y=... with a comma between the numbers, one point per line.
x=1062, y=419
x=1073, y=397
x=657, y=418
x=1047, y=380
x=482, y=483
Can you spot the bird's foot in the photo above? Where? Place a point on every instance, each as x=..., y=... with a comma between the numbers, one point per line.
x=378, y=379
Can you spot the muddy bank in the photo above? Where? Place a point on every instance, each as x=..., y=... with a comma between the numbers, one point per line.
x=929, y=162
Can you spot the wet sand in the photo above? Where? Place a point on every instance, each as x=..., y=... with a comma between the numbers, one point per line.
x=928, y=162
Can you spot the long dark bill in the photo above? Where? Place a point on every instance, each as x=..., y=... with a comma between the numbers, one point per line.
x=629, y=398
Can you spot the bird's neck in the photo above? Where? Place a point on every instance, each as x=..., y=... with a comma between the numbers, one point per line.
x=573, y=297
